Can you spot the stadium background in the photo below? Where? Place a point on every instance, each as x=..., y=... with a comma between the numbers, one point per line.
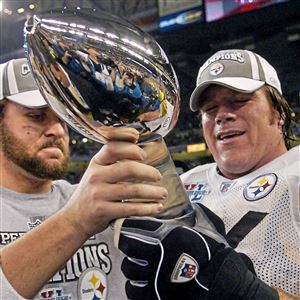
x=189, y=31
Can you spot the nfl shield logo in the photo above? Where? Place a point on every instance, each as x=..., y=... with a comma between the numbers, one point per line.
x=185, y=269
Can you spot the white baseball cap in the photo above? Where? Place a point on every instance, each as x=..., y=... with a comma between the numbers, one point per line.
x=241, y=70
x=18, y=85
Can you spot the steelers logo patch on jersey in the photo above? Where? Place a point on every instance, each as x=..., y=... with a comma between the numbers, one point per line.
x=92, y=285
x=260, y=187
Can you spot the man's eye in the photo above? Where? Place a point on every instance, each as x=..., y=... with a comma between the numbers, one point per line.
x=37, y=117
x=208, y=109
x=241, y=101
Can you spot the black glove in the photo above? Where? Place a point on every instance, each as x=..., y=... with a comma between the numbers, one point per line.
x=167, y=261
x=232, y=277
x=163, y=259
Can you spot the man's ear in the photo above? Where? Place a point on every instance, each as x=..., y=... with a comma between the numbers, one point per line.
x=2, y=108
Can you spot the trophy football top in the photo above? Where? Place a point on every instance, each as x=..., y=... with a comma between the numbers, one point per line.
x=101, y=72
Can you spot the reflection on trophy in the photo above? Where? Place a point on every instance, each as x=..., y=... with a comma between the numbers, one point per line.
x=99, y=73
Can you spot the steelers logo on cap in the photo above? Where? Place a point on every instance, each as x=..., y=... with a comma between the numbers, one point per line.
x=216, y=69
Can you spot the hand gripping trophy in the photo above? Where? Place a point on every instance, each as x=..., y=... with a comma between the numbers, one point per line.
x=99, y=73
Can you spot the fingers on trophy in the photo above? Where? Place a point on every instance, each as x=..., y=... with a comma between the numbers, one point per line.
x=101, y=73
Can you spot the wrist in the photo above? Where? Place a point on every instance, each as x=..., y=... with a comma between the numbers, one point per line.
x=234, y=280
x=260, y=290
x=72, y=226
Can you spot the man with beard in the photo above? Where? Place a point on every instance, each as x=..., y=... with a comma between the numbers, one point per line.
x=55, y=237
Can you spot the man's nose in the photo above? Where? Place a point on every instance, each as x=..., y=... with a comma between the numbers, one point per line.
x=224, y=114
x=56, y=127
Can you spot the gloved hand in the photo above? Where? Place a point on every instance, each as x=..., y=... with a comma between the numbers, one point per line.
x=167, y=261
x=163, y=259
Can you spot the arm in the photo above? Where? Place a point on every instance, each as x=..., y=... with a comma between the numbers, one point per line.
x=285, y=296
x=29, y=262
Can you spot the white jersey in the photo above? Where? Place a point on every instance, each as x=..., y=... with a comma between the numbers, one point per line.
x=261, y=215
x=93, y=272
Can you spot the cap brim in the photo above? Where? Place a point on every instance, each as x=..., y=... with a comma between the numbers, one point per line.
x=29, y=99
x=243, y=85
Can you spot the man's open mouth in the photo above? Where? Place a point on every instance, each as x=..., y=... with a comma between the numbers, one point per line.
x=229, y=134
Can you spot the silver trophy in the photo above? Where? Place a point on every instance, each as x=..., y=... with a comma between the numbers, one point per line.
x=99, y=73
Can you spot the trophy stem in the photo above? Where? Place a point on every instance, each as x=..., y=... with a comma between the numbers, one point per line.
x=177, y=205
x=178, y=209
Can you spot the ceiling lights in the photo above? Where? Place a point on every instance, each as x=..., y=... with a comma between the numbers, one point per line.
x=9, y=11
